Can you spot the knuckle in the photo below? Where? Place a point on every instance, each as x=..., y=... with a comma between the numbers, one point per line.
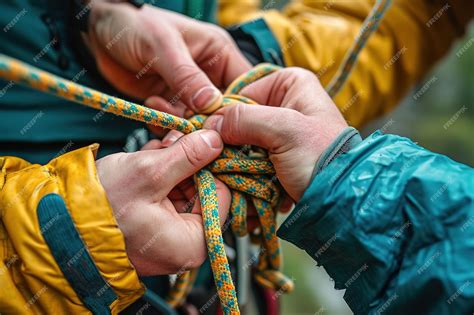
x=185, y=75
x=146, y=47
x=192, y=151
x=232, y=131
x=198, y=260
x=220, y=33
x=182, y=263
x=300, y=73
x=144, y=167
x=141, y=166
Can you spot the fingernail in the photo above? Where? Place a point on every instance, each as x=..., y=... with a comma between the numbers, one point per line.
x=205, y=98
x=214, y=122
x=211, y=138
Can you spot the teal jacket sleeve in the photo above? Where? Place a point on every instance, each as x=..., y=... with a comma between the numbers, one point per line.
x=393, y=225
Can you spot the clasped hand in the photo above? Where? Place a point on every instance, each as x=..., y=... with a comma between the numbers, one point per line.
x=151, y=191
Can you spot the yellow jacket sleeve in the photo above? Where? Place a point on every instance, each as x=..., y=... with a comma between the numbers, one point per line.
x=316, y=35
x=61, y=249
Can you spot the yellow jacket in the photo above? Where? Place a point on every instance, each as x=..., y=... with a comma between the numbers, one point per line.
x=40, y=208
x=61, y=249
x=315, y=35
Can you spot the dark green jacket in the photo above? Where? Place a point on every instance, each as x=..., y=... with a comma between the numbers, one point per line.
x=393, y=225
x=36, y=126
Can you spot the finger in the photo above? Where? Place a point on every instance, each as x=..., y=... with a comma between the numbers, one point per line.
x=265, y=90
x=186, y=233
x=159, y=103
x=171, y=137
x=185, y=78
x=152, y=145
x=234, y=64
x=224, y=199
x=253, y=222
x=188, y=155
x=191, y=229
x=214, y=50
x=287, y=204
x=186, y=192
x=267, y=127
x=125, y=80
x=293, y=88
x=221, y=59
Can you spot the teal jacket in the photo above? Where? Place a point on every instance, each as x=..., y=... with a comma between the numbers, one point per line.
x=393, y=224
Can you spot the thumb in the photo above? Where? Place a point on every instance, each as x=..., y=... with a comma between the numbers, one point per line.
x=264, y=126
x=186, y=80
x=188, y=155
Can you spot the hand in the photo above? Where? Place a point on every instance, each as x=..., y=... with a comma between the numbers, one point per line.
x=150, y=51
x=298, y=124
x=151, y=192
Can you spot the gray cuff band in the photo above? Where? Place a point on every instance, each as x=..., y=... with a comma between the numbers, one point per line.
x=346, y=140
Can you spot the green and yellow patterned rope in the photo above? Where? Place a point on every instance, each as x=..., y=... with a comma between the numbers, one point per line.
x=247, y=171
x=368, y=27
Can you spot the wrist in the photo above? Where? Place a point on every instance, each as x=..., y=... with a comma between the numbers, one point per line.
x=344, y=142
x=88, y=11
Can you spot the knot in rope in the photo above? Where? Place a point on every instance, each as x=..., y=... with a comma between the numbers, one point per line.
x=247, y=171
x=250, y=175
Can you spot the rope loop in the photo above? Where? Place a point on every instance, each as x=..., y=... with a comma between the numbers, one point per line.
x=247, y=171
x=250, y=175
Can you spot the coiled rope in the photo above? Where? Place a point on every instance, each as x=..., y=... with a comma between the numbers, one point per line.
x=246, y=171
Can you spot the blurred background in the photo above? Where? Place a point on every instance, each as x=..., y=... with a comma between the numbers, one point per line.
x=442, y=120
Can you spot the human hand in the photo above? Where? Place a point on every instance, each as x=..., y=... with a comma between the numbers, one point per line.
x=151, y=51
x=298, y=124
x=151, y=193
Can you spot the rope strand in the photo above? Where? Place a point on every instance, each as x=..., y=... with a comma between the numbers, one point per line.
x=250, y=178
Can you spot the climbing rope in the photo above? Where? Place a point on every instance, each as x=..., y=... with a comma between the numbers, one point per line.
x=247, y=171
x=368, y=27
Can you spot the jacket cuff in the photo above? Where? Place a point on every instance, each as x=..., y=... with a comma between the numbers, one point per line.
x=257, y=42
x=63, y=230
x=347, y=139
x=322, y=224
